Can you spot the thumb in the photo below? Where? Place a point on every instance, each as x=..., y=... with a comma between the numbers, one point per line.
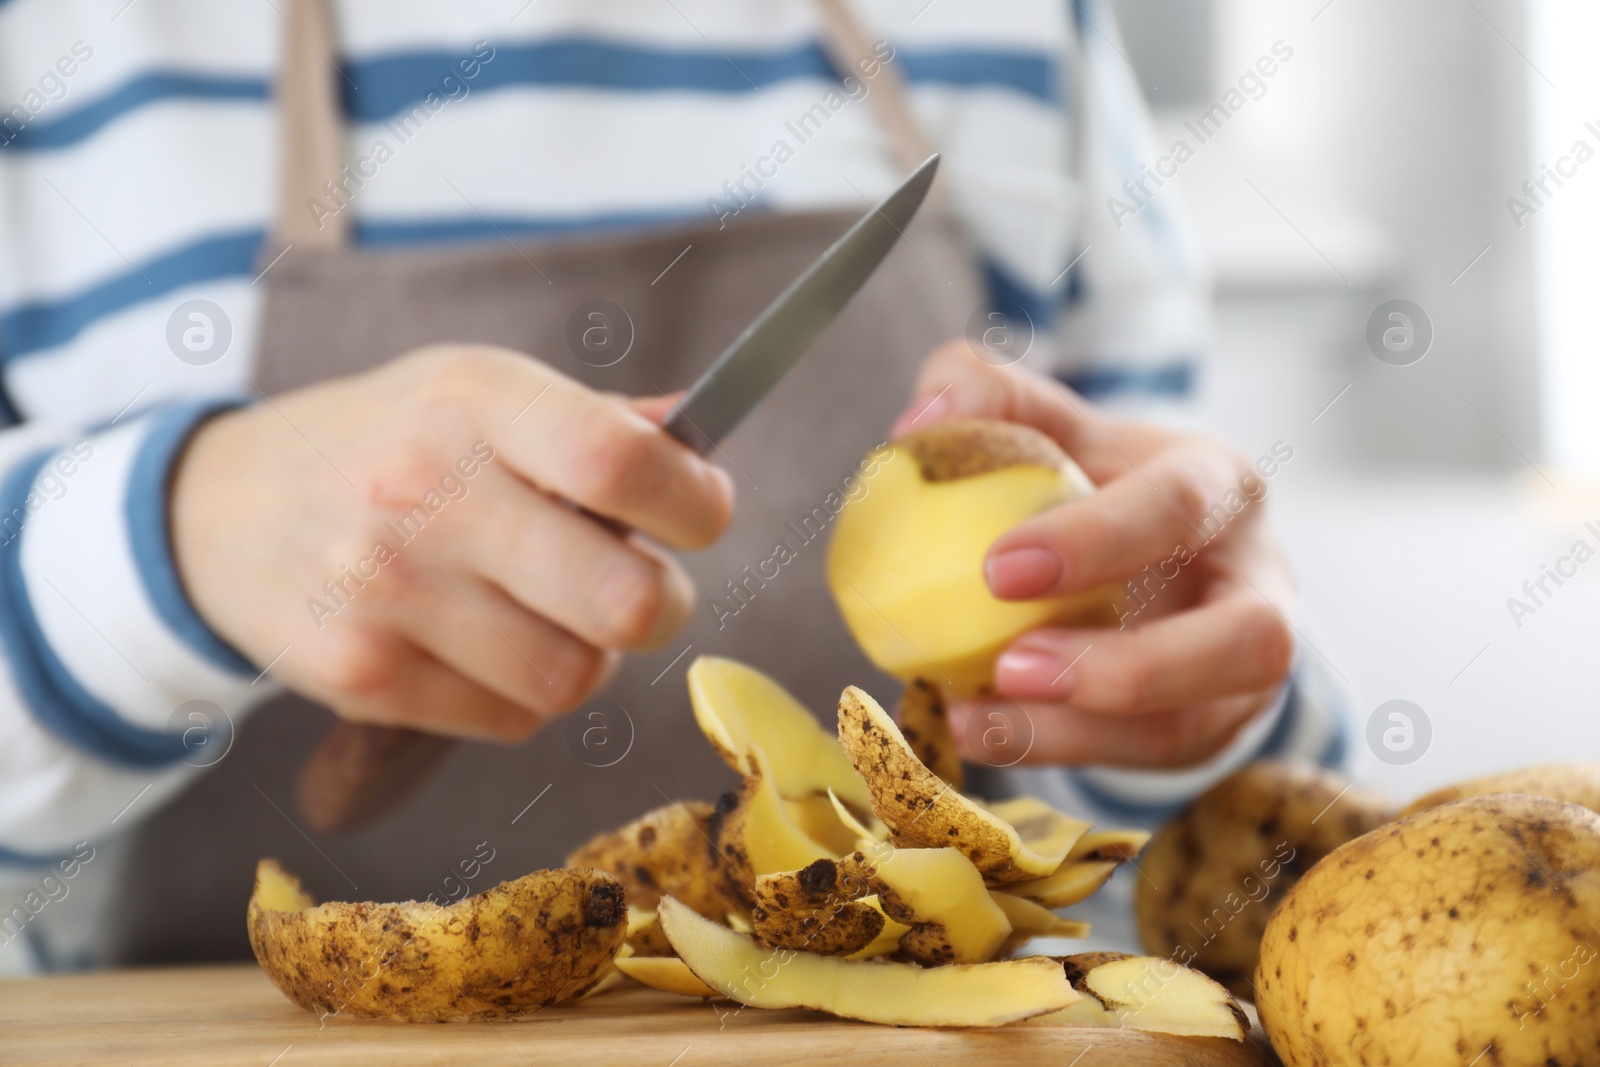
x=956, y=383
x=655, y=408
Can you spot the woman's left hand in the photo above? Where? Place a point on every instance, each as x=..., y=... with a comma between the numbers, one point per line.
x=1205, y=642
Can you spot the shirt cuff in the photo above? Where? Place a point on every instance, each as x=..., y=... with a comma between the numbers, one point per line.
x=102, y=643
x=1302, y=722
x=1164, y=789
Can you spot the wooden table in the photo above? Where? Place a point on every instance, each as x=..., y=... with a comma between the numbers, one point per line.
x=232, y=1015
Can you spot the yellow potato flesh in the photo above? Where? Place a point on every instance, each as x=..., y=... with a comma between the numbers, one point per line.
x=1030, y=920
x=772, y=841
x=895, y=994
x=276, y=890
x=863, y=832
x=941, y=886
x=906, y=569
x=1155, y=995
x=1046, y=832
x=888, y=938
x=1109, y=845
x=738, y=707
x=1073, y=882
x=666, y=973
x=818, y=819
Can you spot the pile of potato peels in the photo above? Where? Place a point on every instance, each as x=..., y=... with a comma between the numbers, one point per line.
x=850, y=876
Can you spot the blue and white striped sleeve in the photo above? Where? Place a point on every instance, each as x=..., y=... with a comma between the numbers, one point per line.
x=112, y=689
x=1136, y=320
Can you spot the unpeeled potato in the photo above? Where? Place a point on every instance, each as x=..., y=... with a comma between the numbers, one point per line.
x=1213, y=874
x=1463, y=934
x=1573, y=782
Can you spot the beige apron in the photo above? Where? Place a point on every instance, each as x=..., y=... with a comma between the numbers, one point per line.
x=334, y=311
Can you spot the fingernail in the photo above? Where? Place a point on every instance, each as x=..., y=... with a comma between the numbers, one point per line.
x=921, y=413
x=1030, y=672
x=1020, y=573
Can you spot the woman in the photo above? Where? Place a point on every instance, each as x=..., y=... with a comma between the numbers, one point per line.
x=305, y=383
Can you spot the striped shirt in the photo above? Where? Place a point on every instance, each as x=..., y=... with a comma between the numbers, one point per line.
x=137, y=166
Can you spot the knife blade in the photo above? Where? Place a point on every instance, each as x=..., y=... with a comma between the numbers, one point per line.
x=748, y=368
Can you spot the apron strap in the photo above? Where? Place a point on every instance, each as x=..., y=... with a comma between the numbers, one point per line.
x=848, y=45
x=311, y=147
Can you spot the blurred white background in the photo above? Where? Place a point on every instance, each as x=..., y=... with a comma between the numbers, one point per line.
x=1378, y=164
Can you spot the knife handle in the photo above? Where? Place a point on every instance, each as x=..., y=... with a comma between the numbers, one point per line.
x=361, y=772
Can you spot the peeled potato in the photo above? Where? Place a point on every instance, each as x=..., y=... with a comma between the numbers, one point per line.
x=896, y=994
x=501, y=954
x=906, y=562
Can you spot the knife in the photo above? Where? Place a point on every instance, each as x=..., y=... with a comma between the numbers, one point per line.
x=360, y=772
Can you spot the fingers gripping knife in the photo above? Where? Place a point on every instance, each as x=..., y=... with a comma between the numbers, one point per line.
x=361, y=772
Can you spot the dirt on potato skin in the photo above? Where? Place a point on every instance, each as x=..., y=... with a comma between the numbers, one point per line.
x=814, y=909
x=919, y=809
x=965, y=448
x=925, y=725
x=1466, y=930
x=1214, y=873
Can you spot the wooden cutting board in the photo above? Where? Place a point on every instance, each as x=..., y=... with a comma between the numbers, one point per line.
x=232, y=1015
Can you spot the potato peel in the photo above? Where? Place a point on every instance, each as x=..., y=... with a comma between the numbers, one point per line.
x=668, y=974
x=1147, y=993
x=939, y=896
x=810, y=911
x=754, y=835
x=894, y=994
x=926, y=727
x=1073, y=882
x=668, y=850
x=920, y=809
x=740, y=709
x=501, y=954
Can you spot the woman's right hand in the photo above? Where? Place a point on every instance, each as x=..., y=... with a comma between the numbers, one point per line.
x=409, y=536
